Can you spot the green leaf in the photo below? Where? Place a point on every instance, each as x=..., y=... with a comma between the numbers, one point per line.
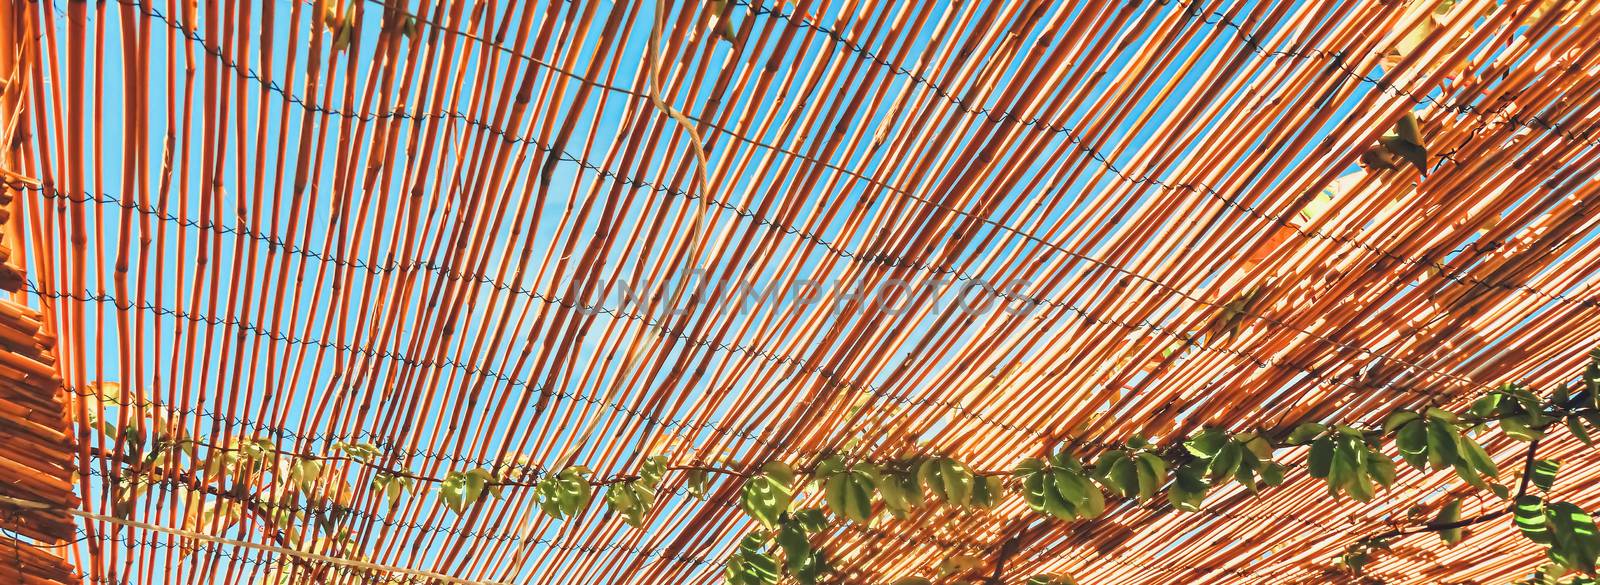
x=828, y=467
x=1381, y=469
x=1575, y=425
x=305, y=472
x=1258, y=446
x=474, y=486
x=397, y=488
x=1451, y=513
x=766, y=496
x=1065, y=460
x=835, y=493
x=812, y=570
x=1226, y=460
x=1520, y=427
x=1305, y=433
x=897, y=489
x=810, y=520
x=631, y=501
x=930, y=473
x=362, y=452
x=1071, y=486
x=795, y=545
x=548, y=495
x=452, y=491
x=1530, y=519
x=1206, y=444
x=1103, y=468
x=1095, y=504
x=1442, y=444
x=390, y=486
x=1561, y=395
x=987, y=491
x=1412, y=440
x=651, y=471
x=697, y=482
x=1321, y=457
x=1434, y=413
x=1123, y=477
x=750, y=564
x=1152, y=474
x=1522, y=394
x=1479, y=459
x=1272, y=474
x=1501, y=491
x=1029, y=467
x=1039, y=492
x=905, y=476
x=1397, y=419
x=1051, y=579
x=849, y=495
x=1470, y=475
x=779, y=471
x=957, y=482
x=1574, y=535
x=1083, y=498
x=1188, y=488
x=1485, y=405
x=1340, y=471
x=575, y=490
x=1351, y=457
x=485, y=480
x=1543, y=473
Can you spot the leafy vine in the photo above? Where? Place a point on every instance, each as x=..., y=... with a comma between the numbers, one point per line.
x=1351, y=460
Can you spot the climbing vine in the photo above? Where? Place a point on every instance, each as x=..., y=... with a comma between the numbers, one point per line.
x=301, y=496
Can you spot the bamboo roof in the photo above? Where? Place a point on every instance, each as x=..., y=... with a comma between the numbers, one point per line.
x=288, y=224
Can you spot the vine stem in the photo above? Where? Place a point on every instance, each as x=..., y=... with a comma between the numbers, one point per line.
x=1522, y=490
x=1175, y=453
x=705, y=468
x=270, y=523
x=1007, y=550
x=302, y=556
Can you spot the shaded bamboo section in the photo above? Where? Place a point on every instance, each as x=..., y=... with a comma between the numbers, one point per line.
x=38, y=456
x=285, y=226
x=31, y=565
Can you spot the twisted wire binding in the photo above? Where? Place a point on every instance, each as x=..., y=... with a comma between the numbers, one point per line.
x=473, y=369
x=387, y=521
x=1458, y=275
x=1217, y=17
x=481, y=278
x=273, y=242
x=666, y=423
x=399, y=112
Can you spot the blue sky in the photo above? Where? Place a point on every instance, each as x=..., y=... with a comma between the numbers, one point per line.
x=280, y=379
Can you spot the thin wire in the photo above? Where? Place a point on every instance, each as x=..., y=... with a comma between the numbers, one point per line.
x=1339, y=62
x=240, y=543
x=1445, y=271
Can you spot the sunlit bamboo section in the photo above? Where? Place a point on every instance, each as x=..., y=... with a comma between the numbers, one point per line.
x=527, y=235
